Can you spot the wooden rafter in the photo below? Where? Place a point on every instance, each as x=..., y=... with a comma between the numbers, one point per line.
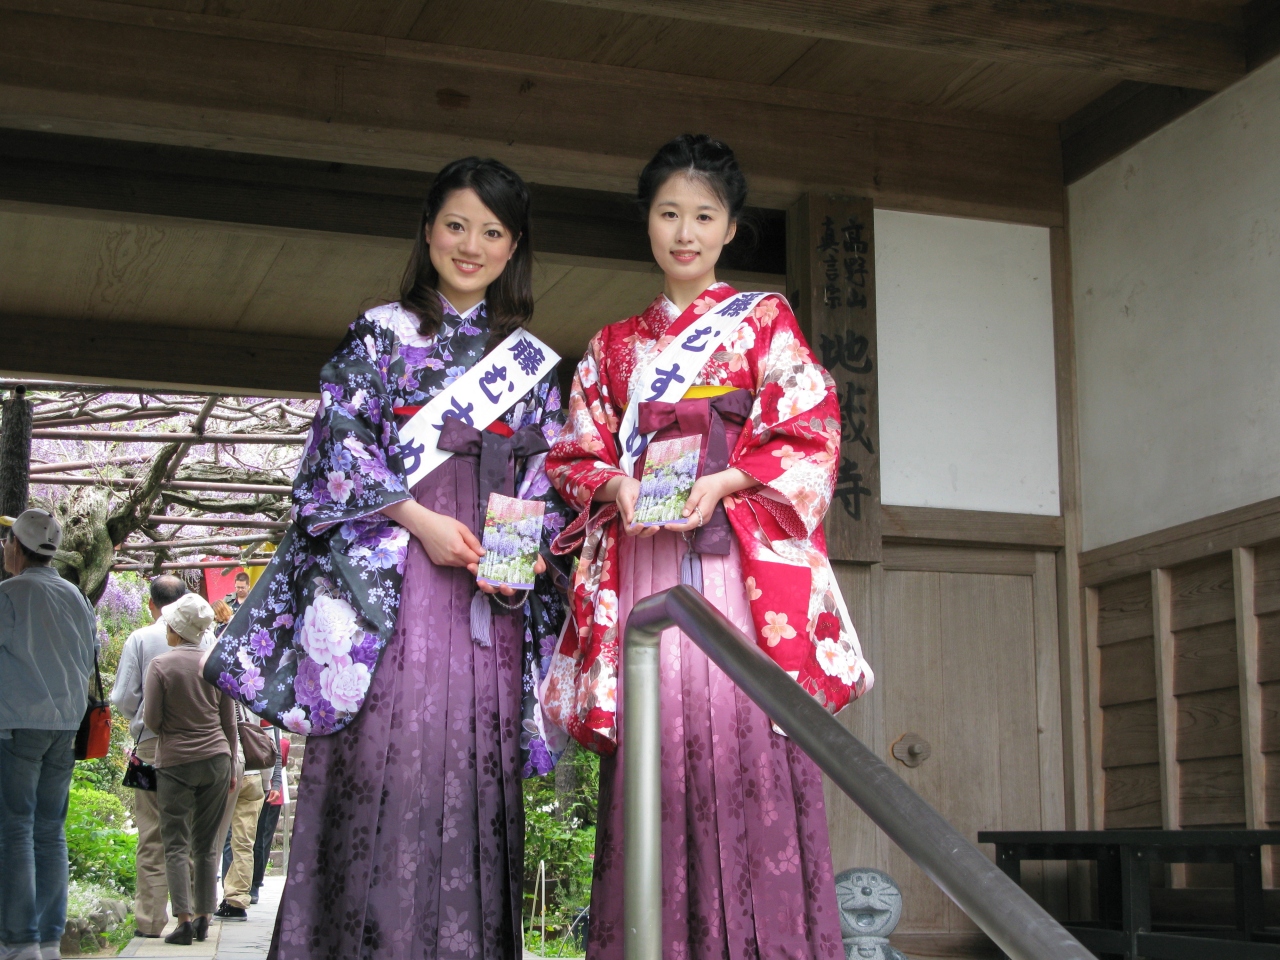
x=271, y=89
x=1049, y=33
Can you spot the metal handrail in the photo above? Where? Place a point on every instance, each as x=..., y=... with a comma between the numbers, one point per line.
x=1004, y=911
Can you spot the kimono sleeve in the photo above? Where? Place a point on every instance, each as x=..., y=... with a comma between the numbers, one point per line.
x=586, y=455
x=545, y=608
x=352, y=466
x=793, y=436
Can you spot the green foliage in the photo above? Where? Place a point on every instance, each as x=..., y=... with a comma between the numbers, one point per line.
x=560, y=831
x=99, y=848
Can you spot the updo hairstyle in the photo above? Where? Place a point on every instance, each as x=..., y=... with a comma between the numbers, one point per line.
x=701, y=158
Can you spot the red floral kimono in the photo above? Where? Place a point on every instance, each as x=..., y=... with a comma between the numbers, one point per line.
x=746, y=859
x=789, y=443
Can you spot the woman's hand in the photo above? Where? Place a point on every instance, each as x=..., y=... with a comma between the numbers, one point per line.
x=707, y=492
x=625, y=491
x=539, y=566
x=448, y=542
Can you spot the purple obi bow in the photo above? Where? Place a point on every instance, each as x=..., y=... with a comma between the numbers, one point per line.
x=706, y=417
x=497, y=455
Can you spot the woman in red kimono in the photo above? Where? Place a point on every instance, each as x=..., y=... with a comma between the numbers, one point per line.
x=746, y=860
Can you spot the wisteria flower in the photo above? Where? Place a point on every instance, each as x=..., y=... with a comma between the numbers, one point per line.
x=776, y=628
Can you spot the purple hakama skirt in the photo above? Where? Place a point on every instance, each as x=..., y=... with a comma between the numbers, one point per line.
x=409, y=837
x=746, y=860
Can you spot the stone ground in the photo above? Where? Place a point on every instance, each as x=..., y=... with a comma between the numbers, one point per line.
x=232, y=940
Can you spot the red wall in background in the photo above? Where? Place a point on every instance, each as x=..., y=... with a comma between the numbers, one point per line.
x=219, y=581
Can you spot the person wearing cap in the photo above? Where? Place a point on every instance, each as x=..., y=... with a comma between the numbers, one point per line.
x=151, y=892
x=47, y=631
x=195, y=725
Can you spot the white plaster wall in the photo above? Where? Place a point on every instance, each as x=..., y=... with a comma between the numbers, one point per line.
x=967, y=404
x=1176, y=259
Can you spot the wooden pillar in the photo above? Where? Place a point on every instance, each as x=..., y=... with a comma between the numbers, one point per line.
x=1255, y=762
x=1167, y=712
x=831, y=281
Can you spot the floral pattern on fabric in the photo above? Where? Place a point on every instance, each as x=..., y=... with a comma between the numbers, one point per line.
x=303, y=648
x=789, y=446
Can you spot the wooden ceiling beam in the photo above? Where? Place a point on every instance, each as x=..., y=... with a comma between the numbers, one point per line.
x=227, y=187
x=135, y=73
x=1130, y=44
x=1121, y=117
x=160, y=355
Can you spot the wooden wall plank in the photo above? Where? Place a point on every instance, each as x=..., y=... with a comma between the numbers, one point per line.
x=1268, y=647
x=1133, y=797
x=1212, y=793
x=1267, y=576
x=1128, y=672
x=1206, y=658
x=1208, y=724
x=1203, y=592
x=913, y=646
x=1130, y=735
x=1124, y=610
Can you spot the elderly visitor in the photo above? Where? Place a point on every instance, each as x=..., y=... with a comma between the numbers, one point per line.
x=47, y=630
x=195, y=725
x=150, y=912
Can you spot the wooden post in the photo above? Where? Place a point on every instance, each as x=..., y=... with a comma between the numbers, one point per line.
x=15, y=455
x=1167, y=713
x=832, y=281
x=1251, y=710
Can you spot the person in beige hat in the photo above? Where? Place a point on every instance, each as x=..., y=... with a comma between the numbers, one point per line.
x=195, y=724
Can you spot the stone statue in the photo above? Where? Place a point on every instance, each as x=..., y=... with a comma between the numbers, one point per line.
x=870, y=907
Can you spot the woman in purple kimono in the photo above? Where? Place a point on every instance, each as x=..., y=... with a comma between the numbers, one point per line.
x=408, y=841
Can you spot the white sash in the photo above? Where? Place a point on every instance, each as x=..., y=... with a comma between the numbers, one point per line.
x=477, y=398
x=670, y=375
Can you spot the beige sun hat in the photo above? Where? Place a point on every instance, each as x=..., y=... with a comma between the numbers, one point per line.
x=189, y=617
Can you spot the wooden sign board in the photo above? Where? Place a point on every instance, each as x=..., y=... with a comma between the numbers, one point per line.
x=831, y=279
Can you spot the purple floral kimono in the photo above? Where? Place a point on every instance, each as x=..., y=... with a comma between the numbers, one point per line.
x=303, y=649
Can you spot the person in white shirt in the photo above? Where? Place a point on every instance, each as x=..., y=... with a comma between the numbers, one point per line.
x=150, y=905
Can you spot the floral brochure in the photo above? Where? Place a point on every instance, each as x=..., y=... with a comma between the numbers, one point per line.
x=512, y=535
x=670, y=467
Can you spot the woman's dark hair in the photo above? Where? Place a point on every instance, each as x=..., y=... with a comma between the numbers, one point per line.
x=702, y=158
x=510, y=297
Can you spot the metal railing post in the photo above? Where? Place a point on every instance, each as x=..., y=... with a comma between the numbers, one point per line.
x=642, y=789
x=1004, y=911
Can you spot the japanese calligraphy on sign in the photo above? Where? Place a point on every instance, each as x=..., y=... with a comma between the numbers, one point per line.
x=832, y=276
